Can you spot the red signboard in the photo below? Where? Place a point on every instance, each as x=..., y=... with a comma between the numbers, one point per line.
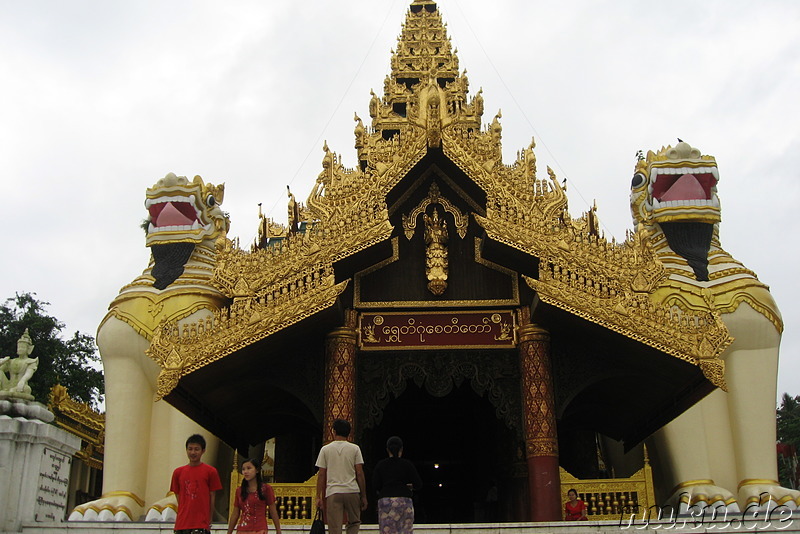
x=436, y=330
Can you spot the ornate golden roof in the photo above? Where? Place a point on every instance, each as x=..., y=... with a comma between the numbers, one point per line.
x=426, y=106
x=81, y=420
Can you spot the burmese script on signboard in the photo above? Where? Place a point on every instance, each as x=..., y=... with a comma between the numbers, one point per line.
x=51, y=494
x=435, y=330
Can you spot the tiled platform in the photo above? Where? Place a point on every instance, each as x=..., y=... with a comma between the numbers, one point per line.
x=789, y=524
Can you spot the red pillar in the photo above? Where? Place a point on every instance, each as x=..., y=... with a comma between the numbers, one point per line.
x=539, y=418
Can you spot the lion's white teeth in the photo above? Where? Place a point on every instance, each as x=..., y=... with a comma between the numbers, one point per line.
x=179, y=228
x=190, y=199
x=685, y=203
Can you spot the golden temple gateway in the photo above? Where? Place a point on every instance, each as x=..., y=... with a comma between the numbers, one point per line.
x=439, y=293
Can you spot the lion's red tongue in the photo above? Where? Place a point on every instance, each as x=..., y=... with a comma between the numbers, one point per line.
x=171, y=216
x=687, y=187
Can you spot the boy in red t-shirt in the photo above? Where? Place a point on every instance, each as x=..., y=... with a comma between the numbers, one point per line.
x=195, y=486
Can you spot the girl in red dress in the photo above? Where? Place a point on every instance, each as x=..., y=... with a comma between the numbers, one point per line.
x=574, y=509
x=252, y=500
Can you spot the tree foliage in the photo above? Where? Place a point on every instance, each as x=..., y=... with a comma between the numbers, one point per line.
x=788, y=421
x=67, y=362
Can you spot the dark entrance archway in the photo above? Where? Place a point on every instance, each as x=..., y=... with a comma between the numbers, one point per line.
x=462, y=437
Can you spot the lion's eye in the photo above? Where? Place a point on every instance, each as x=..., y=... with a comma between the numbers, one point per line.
x=211, y=201
x=637, y=181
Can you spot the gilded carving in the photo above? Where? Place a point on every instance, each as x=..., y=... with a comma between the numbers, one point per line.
x=267, y=229
x=610, y=499
x=505, y=332
x=435, y=197
x=436, y=264
x=82, y=420
x=541, y=447
x=369, y=334
x=249, y=319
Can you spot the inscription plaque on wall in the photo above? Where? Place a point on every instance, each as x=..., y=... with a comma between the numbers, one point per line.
x=436, y=330
x=51, y=493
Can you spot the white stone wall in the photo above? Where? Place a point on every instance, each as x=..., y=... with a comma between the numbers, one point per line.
x=35, y=460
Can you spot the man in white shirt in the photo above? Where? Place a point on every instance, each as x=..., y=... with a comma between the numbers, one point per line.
x=341, y=478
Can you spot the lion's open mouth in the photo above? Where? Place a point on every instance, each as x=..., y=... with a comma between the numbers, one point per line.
x=173, y=214
x=683, y=186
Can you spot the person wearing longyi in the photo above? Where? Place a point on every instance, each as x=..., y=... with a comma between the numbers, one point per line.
x=340, y=481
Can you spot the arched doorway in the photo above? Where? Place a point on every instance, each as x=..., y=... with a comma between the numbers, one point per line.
x=463, y=452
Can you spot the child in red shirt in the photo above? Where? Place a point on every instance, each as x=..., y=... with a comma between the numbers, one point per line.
x=252, y=500
x=195, y=486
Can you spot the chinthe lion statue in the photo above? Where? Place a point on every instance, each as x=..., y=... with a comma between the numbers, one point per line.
x=721, y=452
x=183, y=225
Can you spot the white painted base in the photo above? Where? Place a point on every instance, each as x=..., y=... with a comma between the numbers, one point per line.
x=35, y=461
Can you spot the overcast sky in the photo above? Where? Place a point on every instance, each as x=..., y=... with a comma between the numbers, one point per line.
x=99, y=99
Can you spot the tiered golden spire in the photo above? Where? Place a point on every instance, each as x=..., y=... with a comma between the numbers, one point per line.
x=423, y=47
x=424, y=88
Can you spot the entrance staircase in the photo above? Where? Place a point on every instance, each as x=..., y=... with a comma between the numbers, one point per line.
x=615, y=505
x=583, y=527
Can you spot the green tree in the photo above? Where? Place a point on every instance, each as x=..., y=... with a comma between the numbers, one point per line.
x=788, y=421
x=67, y=362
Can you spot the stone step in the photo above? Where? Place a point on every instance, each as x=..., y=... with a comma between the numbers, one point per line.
x=787, y=524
